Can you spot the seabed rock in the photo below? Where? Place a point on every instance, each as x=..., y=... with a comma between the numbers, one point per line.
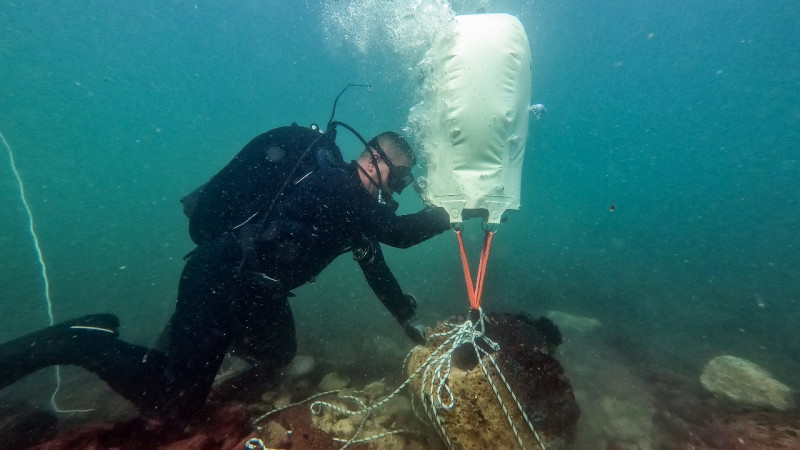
x=334, y=381
x=742, y=381
x=567, y=321
x=476, y=420
x=300, y=366
x=393, y=416
x=374, y=390
x=688, y=418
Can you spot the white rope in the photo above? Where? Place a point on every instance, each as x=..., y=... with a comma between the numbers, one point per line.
x=43, y=267
x=316, y=409
x=437, y=370
x=284, y=408
x=351, y=441
x=435, y=392
x=478, y=352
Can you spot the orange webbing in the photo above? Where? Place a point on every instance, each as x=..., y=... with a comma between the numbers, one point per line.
x=475, y=291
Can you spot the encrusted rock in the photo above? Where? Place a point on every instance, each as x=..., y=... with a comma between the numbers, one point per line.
x=745, y=382
x=269, y=396
x=399, y=408
x=343, y=429
x=283, y=400
x=274, y=435
x=374, y=390
x=394, y=415
x=476, y=420
x=300, y=366
x=334, y=381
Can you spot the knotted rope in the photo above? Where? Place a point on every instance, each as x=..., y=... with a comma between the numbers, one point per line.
x=436, y=371
x=434, y=391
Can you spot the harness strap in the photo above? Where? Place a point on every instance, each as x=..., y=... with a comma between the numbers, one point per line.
x=475, y=290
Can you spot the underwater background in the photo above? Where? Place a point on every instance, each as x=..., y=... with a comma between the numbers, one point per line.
x=660, y=190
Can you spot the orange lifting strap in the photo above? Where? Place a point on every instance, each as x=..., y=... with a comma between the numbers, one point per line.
x=475, y=291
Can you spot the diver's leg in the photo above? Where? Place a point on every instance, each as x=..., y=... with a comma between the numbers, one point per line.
x=264, y=337
x=268, y=333
x=162, y=343
x=155, y=383
x=158, y=384
x=172, y=385
x=89, y=342
x=201, y=328
x=63, y=343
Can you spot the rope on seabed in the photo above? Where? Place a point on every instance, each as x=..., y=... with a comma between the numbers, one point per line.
x=435, y=372
x=316, y=409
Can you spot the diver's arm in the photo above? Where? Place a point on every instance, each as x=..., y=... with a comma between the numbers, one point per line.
x=379, y=221
x=384, y=284
x=409, y=229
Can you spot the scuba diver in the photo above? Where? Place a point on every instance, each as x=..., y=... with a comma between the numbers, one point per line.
x=256, y=243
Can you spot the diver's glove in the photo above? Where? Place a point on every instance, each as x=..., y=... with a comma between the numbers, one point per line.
x=415, y=330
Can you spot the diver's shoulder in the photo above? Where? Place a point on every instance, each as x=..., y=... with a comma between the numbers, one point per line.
x=335, y=172
x=335, y=180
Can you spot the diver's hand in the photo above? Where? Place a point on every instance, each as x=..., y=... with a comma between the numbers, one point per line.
x=415, y=330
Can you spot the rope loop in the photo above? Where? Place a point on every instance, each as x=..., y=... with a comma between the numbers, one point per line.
x=255, y=444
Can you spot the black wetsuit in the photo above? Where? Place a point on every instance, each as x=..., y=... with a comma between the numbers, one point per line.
x=233, y=294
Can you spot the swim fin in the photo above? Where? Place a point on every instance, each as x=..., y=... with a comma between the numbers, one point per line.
x=70, y=342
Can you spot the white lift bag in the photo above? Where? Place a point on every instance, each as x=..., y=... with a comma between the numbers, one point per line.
x=478, y=124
